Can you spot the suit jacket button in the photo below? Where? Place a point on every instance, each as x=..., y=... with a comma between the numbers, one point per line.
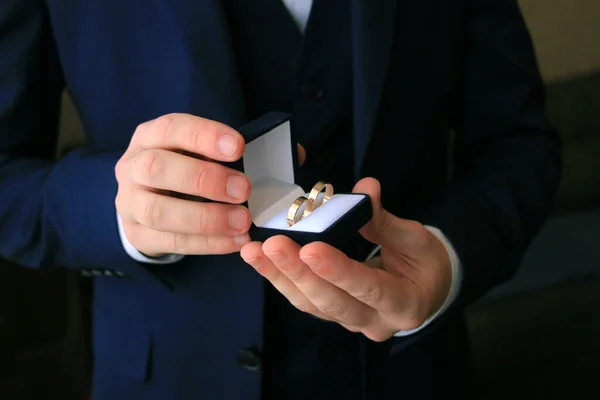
x=249, y=359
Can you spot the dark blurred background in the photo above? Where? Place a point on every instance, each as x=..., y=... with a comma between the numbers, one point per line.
x=537, y=337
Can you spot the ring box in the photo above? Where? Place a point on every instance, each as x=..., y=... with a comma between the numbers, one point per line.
x=270, y=161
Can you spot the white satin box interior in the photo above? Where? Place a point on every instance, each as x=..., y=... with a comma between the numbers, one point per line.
x=269, y=161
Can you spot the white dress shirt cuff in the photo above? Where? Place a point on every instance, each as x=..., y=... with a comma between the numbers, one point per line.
x=137, y=256
x=454, y=283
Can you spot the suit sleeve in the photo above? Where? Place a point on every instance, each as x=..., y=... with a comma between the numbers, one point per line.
x=507, y=157
x=52, y=214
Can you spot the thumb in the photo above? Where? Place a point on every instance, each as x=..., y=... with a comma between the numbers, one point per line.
x=384, y=228
x=376, y=230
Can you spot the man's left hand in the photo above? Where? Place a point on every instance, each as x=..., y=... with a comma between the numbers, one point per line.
x=394, y=292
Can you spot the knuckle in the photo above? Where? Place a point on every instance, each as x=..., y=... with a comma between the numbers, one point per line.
x=195, y=137
x=151, y=167
x=334, y=308
x=385, y=224
x=295, y=275
x=199, y=178
x=172, y=242
x=162, y=126
x=201, y=220
x=153, y=133
x=151, y=213
x=373, y=294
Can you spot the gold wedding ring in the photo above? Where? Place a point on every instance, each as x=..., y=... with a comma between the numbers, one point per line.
x=296, y=213
x=317, y=190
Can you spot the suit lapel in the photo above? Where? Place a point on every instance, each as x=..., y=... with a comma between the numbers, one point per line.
x=372, y=35
x=206, y=37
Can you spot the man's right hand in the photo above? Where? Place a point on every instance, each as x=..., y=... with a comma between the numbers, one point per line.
x=155, y=171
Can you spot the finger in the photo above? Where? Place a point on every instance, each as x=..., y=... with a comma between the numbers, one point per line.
x=149, y=241
x=375, y=230
x=331, y=300
x=167, y=170
x=252, y=254
x=385, y=228
x=375, y=288
x=301, y=155
x=170, y=214
x=192, y=134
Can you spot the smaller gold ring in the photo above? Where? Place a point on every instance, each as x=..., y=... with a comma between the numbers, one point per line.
x=317, y=189
x=294, y=215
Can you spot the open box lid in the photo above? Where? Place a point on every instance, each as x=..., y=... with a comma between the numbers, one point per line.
x=269, y=161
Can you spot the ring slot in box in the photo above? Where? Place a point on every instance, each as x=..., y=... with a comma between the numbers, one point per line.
x=270, y=160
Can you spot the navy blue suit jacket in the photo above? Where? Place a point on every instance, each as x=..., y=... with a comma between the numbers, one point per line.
x=428, y=76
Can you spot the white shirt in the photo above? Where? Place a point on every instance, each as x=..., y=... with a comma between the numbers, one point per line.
x=300, y=11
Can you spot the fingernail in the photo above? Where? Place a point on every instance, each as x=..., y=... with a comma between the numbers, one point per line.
x=312, y=260
x=241, y=240
x=238, y=219
x=278, y=257
x=228, y=144
x=237, y=187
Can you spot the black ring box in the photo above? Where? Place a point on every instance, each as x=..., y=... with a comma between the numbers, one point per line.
x=270, y=161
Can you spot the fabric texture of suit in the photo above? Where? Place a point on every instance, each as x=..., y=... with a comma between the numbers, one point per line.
x=427, y=75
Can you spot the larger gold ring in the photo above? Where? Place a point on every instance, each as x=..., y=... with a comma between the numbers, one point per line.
x=295, y=213
x=317, y=190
